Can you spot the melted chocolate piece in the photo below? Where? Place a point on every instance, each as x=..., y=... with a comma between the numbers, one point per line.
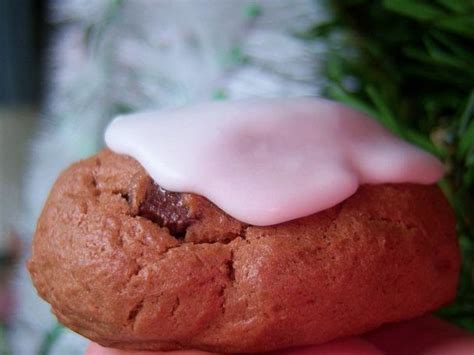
x=168, y=209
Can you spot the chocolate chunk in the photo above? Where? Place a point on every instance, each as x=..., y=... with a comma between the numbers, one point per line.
x=168, y=209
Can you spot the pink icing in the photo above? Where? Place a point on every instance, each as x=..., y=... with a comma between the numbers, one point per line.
x=268, y=161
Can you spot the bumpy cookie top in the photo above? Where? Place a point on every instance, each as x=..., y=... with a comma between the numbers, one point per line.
x=130, y=265
x=256, y=158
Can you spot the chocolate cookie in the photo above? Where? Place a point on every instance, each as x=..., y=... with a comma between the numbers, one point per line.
x=130, y=265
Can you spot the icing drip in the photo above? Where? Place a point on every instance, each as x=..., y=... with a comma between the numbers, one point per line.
x=268, y=161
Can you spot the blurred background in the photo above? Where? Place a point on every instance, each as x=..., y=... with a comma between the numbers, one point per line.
x=22, y=39
x=68, y=67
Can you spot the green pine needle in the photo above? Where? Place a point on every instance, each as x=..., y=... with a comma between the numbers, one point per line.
x=50, y=339
x=4, y=348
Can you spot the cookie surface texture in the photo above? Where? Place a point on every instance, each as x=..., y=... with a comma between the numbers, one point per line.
x=131, y=266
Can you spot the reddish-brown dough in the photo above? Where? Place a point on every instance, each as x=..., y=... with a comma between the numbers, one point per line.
x=387, y=253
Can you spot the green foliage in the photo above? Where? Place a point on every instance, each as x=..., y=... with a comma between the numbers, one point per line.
x=253, y=10
x=50, y=339
x=410, y=64
x=4, y=349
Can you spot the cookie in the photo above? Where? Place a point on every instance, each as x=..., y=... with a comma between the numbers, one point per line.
x=130, y=265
